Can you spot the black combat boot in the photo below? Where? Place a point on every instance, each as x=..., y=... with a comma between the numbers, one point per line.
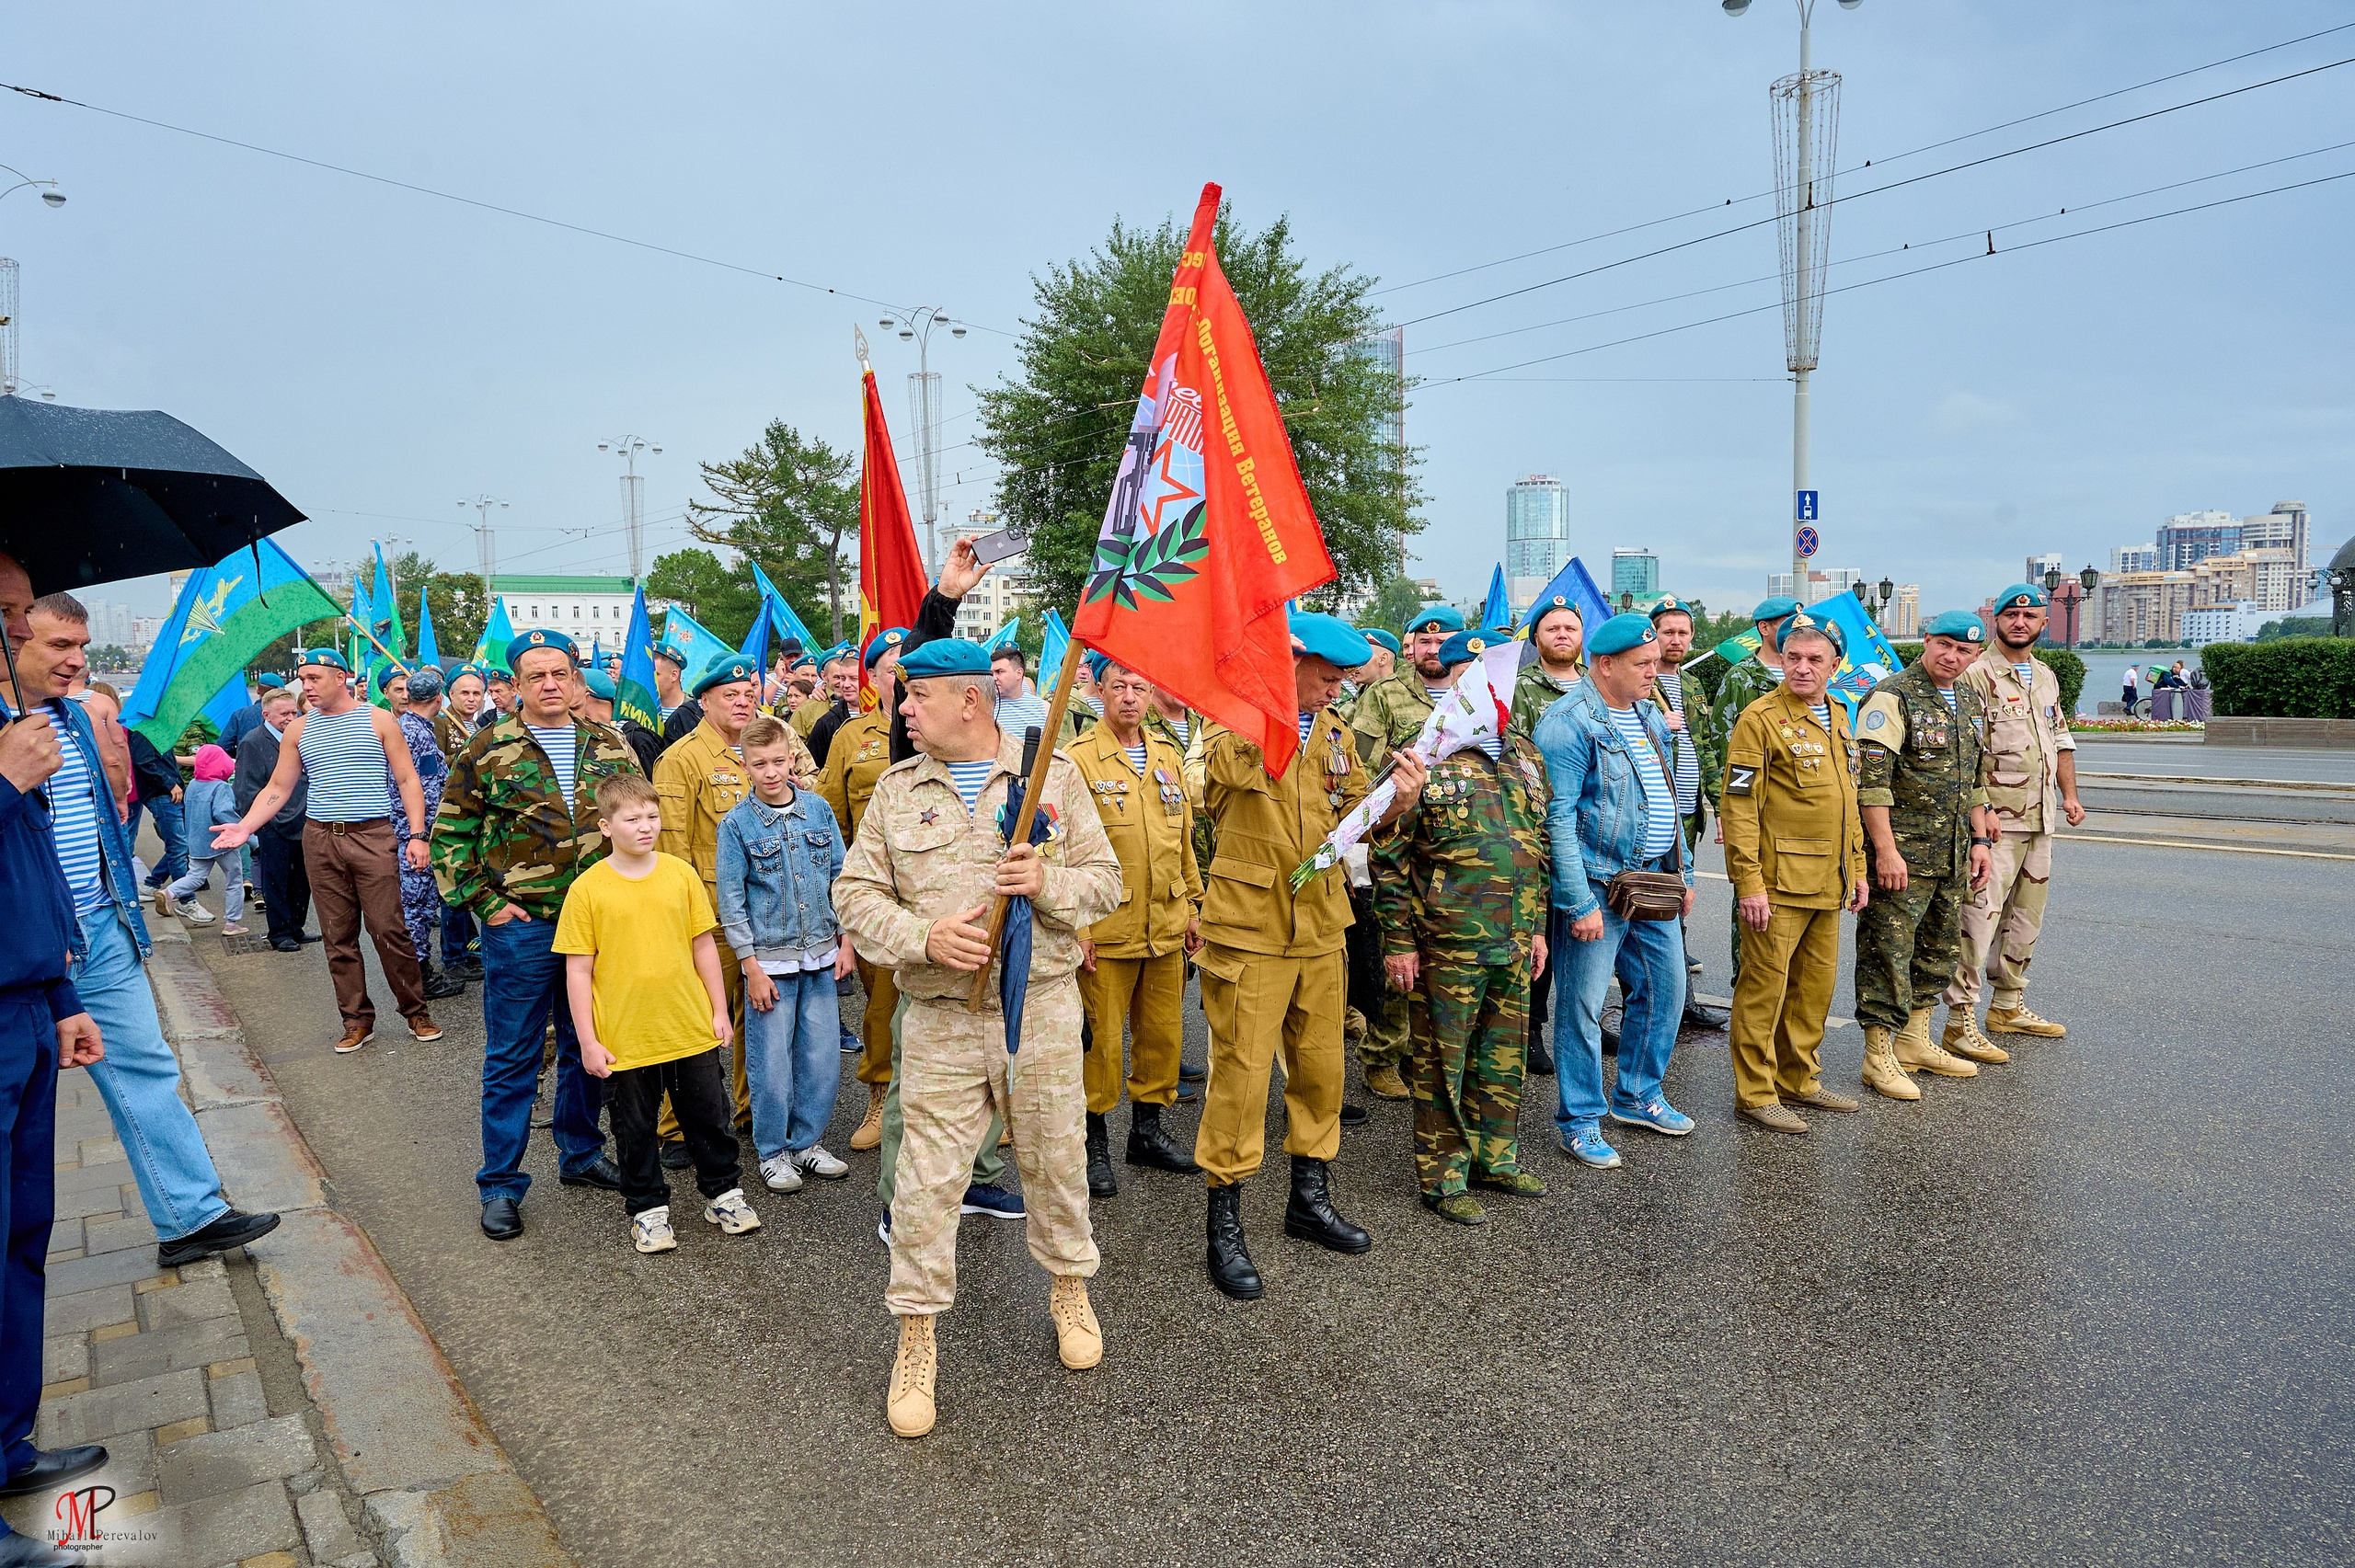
x=1232, y=1269
x=439, y=984
x=1310, y=1215
x=1541, y=1061
x=1101, y=1183
x=1154, y=1149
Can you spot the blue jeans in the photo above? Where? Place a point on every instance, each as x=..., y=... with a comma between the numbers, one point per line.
x=457, y=930
x=1649, y=956
x=522, y=983
x=28, y=1202
x=171, y=833
x=793, y=1061
x=140, y=1081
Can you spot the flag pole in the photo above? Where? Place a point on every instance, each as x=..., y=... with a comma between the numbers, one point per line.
x=1030, y=808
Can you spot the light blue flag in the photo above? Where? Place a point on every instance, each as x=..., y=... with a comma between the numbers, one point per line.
x=756, y=643
x=1573, y=587
x=1006, y=634
x=1051, y=653
x=1497, y=614
x=693, y=645
x=360, y=653
x=225, y=615
x=427, y=651
x=223, y=707
x=497, y=632
x=384, y=606
x=788, y=623
x=636, y=696
x=1868, y=659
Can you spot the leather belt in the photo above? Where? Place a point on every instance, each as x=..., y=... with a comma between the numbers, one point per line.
x=341, y=829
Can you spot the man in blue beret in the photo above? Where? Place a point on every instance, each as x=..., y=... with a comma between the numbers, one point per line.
x=1386, y=715
x=838, y=675
x=1747, y=681
x=1929, y=831
x=2028, y=765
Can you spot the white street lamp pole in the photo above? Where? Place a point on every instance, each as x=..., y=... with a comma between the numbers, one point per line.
x=633, y=497
x=486, y=544
x=923, y=407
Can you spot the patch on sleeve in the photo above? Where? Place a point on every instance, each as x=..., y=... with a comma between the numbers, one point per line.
x=1740, y=778
x=1875, y=720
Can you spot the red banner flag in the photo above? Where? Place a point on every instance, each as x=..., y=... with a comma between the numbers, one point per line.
x=891, y=581
x=1210, y=529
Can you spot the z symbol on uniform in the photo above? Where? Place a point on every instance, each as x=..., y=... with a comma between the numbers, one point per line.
x=1740, y=778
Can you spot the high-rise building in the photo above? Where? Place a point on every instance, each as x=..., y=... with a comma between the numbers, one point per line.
x=1537, y=521
x=2138, y=606
x=2283, y=527
x=1634, y=571
x=2189, y=538
x=1821, y=585
x=1903, y=619
x=2040, y=565
x=2134, y=558
x=1387, y=351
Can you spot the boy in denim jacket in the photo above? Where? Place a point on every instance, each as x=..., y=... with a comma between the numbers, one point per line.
x=779, y=852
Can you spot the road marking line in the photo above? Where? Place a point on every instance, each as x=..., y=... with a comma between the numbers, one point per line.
x=2180, y=844
x=2323, y=785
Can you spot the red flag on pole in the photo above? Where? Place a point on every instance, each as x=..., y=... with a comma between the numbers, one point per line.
x=891, y=581
x=1210, y=529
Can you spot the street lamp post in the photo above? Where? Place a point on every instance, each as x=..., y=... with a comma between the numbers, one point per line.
x=1807, y=115
x=10, y=386
x=923, y=405
x=486, y=544
x=633, y=496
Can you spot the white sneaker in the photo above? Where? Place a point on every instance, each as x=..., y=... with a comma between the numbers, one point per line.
x=651, y=1230
x=731, y=1213
x=193, y=912
x=781, y=1173
x=817, y=1162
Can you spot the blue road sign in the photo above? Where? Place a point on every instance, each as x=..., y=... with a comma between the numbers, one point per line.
x=1806, y=543
x=1805, y=511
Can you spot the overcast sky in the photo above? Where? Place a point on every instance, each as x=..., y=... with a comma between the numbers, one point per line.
x=380, y=353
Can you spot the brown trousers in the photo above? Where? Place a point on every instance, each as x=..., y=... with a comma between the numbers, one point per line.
x=1260, y=1007
x=1780, y=1003
x=875, y=1033
x=354, y=869
x=1145, y=994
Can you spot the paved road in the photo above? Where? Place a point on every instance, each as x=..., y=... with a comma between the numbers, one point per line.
x=2192, y=758
x=2094, y=1307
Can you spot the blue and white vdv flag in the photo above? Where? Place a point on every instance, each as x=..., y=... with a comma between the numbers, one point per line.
x=1575, y=588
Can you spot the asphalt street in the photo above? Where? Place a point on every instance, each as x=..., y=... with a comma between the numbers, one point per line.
x=2094, y=1307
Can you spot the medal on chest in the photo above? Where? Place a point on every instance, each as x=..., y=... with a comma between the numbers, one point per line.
x=1172, y=796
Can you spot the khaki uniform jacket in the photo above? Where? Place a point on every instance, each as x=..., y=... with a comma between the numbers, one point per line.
x=1152, y=830
x=1789, y=806
x=862, y=749
x=700, y=778
x=1267, y=826
x=805, y=718
x=922, y=856
x=2019, y=750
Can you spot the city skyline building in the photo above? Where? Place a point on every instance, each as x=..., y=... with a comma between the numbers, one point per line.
x=2134, y=558
x=1903, y=617
x=2189, y=538
x=1536, y=529
x=1634, y=571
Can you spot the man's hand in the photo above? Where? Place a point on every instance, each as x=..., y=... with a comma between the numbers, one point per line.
x=1890, y=870
x=29, y=752
x=419, y=857
x=1087, y=955
x=760, y=991
x=962, y=570
x=176, y=795
x=1022, y=874
x=1193, y=937
x=1756, y=910
x=961, y=941
x=2073, y=810
x=1688, y=902
x=1588, y=927
x=230, y=835
x=595, y=1060
x=845, y=959
x=1675, y=720
x=1406, y=784
x=1537, y=954
x=1982, y=865
x=509, y=912
x=1402, y=969
x=1721, y=829
x=77, y=1041
x=1863, y=895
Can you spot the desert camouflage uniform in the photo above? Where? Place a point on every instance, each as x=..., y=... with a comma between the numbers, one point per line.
x=1922, y=762
x=921, y=855
x=421, y=899
x=2020, y=745
x=1388, y=714
x=504, y=833
x=1463, y=883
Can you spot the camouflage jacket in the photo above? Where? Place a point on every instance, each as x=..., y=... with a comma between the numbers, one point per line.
x=1532, y=693
x=1922, y=762
x=1388, y=714
x=505, y=834
x=2021, y=744
x=921, y=855
x=1743, y=684
x=1464, y=876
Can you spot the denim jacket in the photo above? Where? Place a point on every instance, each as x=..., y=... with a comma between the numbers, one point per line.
x=208, y=804
x=1599, y=815
x=777, y=870
x=114, y=839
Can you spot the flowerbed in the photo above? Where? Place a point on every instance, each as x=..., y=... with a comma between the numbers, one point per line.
x=2116, y=723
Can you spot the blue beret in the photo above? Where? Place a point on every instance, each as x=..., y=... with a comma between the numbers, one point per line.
x=1559, y=601
x=1336, y=642
x=2019, y=595
x=1096, y=663
x=1801, y=620
x=542, y=639
x=945, y=656
x=1774, y=609
x=885, y=642
x=1621, y=632
x=599, y=684
x=1465, y=646
x=725, y=670
x=1381, y=638
x=1959, y=624
x=326, y=655
x=671, y=650
x=497, y=675
x=1434, y=618
x=271, y=682
x=1671, y=605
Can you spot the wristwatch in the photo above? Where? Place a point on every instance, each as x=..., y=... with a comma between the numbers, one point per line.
x=1976, y=841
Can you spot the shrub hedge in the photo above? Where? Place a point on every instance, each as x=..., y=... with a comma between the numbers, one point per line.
x=2290, y=677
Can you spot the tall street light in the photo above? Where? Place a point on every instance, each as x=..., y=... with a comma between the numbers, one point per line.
x=486, y=544
x=924, y=404
x=10, y=384
x=1807, y=119
x=633, y=496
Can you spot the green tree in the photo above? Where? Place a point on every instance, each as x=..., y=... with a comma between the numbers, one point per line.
x=786, y=503
x=461, y=604
x=1058, y=431
x=721, y=598
x=1394, y=602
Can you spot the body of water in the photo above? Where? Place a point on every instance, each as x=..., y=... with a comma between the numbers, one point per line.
x=2106, y=671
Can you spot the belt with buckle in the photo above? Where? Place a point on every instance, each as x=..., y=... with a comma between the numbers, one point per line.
x=341, y=829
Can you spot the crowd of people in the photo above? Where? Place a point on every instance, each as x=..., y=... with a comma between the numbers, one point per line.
x=679, y=920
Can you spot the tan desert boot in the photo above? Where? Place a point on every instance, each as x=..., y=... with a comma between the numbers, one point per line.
x=1384, y=1083
x=1963, y=1039
x=1916, y=1052
x=870, y=1127
x=1078, y=1339
x=2020, y=1021
x=1774, y=1116
x=1882, y=1075
x=909, y=1405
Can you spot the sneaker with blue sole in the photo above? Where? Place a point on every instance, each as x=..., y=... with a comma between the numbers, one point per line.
x=883, y=1227
x=996, y=1202
x=1585, y=1147
x=1656, y=1113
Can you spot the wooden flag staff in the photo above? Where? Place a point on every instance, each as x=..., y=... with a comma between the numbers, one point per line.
x=1031, y=805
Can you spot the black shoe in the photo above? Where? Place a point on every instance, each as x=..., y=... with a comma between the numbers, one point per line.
x=502, y=1220
x=1232, y=1269
x=675, y=1156
x=232, y=1229
x=1192, y=1072
x=1310, y=1215
x=1608, y=1026
x=286, y=944
x=601, y=1174
x=53, y=1468
x=1541, y=1061
x=1701, y=1015
x=1188, y=1092
x=1154, y=1149
x=1101, y=1181
x=467, y=968
x=313, y=936
x=439, y=985
x=1354, y=1115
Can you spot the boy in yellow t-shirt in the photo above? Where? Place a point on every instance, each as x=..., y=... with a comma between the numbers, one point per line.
x=642, y=973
